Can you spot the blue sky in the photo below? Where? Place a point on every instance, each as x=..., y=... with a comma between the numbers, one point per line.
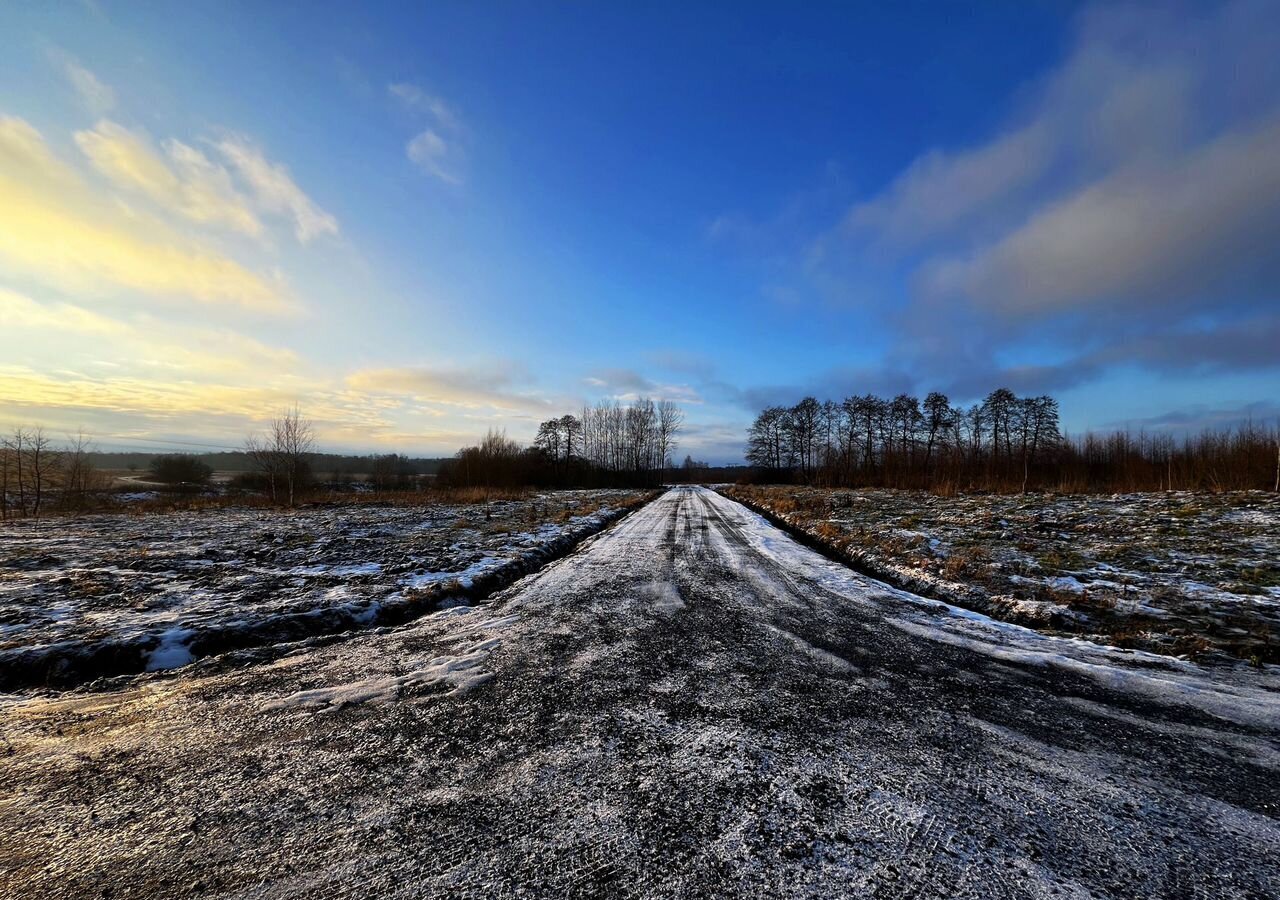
x=417, y=222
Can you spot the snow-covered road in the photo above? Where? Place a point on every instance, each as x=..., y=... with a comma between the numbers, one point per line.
x=692, y=705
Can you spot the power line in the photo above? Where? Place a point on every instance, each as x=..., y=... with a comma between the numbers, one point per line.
x=131, y=438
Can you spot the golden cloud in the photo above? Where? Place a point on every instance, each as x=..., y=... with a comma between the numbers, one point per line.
x=59, y=232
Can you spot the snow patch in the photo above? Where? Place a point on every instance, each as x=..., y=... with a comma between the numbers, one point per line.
x=173, y=650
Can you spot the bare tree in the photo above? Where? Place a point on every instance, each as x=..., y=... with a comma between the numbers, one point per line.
x=19, y=449
x=42, y=462
x=30, y=466
x=571, y=430
x=937, y=421
x=294, y=438
x=548, y=438
x=805, y=419
x=79, y=476
x=6, y=466
x=767, y=445
x=670, y=420
x=281, y=455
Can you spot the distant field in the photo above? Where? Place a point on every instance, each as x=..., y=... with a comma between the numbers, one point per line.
x=1177, y=573
x=123, y=592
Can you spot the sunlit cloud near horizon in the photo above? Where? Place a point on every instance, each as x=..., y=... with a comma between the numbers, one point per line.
x=417, y=225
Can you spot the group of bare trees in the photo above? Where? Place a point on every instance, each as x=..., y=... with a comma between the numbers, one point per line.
x=868, y=440
x=281, y=455
x=35, y=473
x=1244, y=457
x=1004, y=443
x=610, y=443
x=638, y=438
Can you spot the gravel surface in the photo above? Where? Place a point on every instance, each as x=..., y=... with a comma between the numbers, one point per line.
x=691, y=705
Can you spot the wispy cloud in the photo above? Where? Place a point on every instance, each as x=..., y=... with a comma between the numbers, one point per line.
x=97, y=98
x=418, y=100
x=1154, y=232
x=628, y=385
x=437, y=149
x=19, y=313
x=433, y=155
x=274, y=189
x=183, y=180
x=942, y=190
x=474, y=387
x=1200, y=417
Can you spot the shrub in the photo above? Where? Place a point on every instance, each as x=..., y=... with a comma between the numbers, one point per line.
x=179, y=470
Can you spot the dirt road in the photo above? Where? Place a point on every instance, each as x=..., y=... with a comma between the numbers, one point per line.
x=692, y=705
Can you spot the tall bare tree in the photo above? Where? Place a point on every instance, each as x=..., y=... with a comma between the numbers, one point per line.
x=294, y=438
x=281, y=454
x=670, y=420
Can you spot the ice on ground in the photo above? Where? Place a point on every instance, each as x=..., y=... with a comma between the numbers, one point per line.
x=663, y=595
x=459, y=673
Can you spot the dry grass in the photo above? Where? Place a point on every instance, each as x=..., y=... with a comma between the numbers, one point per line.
x=966, y=563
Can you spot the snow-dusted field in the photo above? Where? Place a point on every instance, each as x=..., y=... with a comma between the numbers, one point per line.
x=141, y=591
x=690, y=705
x=1177, y=573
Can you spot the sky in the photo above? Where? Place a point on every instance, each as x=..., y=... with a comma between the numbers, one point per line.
x=419, y=221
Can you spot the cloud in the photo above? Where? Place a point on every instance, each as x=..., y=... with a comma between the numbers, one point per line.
x=187, y=182
x=274, y=188
x=52, y=333
x=718, y=443
x=620, y=379
x=627, y=385
x=97, y=97
x=60, y=232
x=1201, y=417
x=472, y=388
x=1150, y=232
x=19, y=312
x=940, y=190
x=418, y=100
x=684, y=362
x=437, y=149
x=433, y=155
x=1122, y=215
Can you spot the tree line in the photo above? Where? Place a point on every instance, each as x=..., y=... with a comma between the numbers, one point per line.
x=610, y=443
x=868, y=440
x=1004, y=443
